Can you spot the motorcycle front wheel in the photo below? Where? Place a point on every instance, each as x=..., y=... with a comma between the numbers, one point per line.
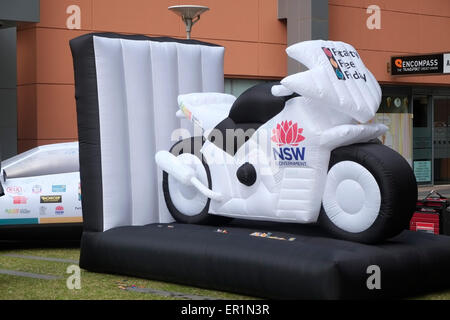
x=370, y=193
x=185, y=203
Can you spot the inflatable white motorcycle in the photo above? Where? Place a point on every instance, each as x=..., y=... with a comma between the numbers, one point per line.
x=298, y=151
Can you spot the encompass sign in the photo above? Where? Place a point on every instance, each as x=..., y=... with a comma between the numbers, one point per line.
x=424, y=64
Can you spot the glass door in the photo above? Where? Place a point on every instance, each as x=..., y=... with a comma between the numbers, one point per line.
x=422, y=139
x=441, y=140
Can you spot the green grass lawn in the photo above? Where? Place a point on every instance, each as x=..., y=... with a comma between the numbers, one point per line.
x=94, y=286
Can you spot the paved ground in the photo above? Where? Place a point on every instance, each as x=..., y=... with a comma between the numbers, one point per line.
x=442, y=189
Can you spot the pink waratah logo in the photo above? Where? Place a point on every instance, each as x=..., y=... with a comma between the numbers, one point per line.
x=287, y=132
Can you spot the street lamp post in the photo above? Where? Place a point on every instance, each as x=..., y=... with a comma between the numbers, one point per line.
x=190, y=14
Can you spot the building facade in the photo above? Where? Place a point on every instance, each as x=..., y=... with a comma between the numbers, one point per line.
x=255, y=34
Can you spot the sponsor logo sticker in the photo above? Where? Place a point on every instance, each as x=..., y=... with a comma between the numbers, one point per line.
x=59, y=210
x=19, y=200
x=59, y=188
x=42, y=210
x=51, y=199
x=12, y=211
x=333, y=63
x=269, y=235
x=224, y=231
x=188, y=114
x=343, y=64
x=287, y=136
x=36, y=189
x=287, y=133
x=13, y=189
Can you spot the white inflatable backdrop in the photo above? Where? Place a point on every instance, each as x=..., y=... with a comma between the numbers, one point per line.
x=138, y=85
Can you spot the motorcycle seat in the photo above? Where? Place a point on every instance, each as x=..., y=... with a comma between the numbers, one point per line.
x=251, y=109
x=257, y=105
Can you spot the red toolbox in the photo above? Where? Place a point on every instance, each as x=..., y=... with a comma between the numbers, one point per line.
x=425, y=222
x=431, y=215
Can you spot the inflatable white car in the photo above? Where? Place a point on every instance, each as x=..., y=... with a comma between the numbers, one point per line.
x=297, y=151
x=41, y=186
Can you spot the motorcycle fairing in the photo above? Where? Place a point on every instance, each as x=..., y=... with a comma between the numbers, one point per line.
x=291, y=192
x=224, y=112
x=294, y=136
x=347, y=134
x=278, y=193
x=337, y=77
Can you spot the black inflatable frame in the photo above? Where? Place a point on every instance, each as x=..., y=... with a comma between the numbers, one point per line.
x=313, y=266
x=295, y=262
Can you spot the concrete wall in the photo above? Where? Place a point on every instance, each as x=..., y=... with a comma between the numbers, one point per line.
x=8, y=93
x=306, y=20
x=12, y=12
x=253, y=36
x=407, y=27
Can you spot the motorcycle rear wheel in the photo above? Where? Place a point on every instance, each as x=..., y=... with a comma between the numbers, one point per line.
x=370, y=193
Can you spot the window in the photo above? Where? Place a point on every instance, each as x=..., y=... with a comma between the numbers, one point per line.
x=237, y=86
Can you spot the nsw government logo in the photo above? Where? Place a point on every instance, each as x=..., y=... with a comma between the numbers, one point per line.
x=287, y=137
x=59, y=210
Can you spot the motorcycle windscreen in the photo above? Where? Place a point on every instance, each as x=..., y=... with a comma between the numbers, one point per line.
x=337, y=78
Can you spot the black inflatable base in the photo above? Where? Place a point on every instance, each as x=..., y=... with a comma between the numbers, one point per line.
x=42, y=232
x=298, y=262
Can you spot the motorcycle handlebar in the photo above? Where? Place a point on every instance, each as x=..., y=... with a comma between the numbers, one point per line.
x=281, y=91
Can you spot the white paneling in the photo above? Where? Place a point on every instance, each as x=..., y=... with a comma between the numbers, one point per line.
x=141, y=119
x=212, y=69
x=138, y=85
x=113, y=133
